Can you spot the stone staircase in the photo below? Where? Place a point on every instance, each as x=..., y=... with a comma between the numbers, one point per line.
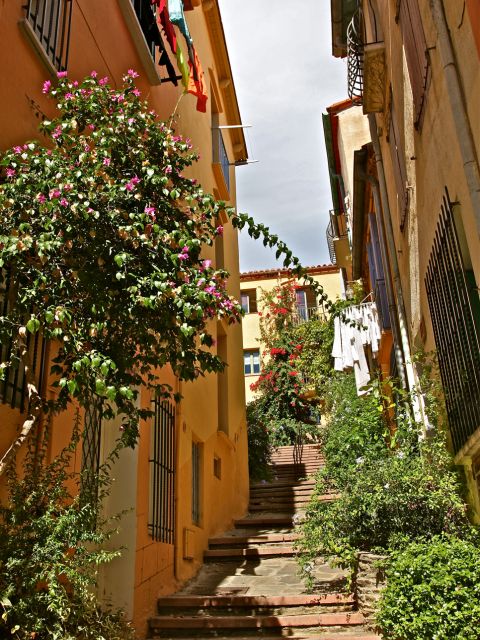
x=249, y=585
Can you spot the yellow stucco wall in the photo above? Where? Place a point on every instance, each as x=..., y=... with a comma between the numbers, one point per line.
x=328, y=276
x=147, y=568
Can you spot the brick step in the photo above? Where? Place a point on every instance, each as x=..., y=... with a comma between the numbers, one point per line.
x=287, y=504
x=278, y=483
x=180, y=601
x=231, y=541
x=185, y=624
x=278, y=507
x=282, y=491
x=260, y=521
x=250, y=552
x=359, y=635
x=254, y=605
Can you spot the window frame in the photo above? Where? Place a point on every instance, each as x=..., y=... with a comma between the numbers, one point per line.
x=250, y=353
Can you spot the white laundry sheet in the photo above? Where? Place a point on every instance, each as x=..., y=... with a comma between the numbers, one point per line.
x=349, y=341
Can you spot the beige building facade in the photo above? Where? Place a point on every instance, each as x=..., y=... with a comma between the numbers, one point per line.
x=414, y=68
x=252, y=286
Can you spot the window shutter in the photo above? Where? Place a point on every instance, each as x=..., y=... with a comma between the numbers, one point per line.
x=398, y=163
x=415, y=53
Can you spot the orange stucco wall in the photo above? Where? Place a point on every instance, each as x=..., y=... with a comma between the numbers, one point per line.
x=102, y=40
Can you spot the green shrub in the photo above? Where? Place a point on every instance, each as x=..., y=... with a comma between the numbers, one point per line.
x=433, y=592
x=355, y=431
x=385, y=505
x=52, y=543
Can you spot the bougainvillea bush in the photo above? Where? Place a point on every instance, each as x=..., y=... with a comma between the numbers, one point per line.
x=102, y=236
x=280, y=404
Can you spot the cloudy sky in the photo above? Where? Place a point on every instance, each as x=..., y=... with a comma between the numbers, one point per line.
x=285, y=76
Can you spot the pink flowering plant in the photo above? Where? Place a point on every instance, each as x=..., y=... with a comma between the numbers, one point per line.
x=102, y=236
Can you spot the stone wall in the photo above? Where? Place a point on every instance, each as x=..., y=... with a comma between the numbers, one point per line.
x=369, y=581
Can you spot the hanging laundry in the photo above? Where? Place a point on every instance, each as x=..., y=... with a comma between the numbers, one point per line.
x=183, y=68
x=360, y=328
x=177, y=17
x=167, y=25
x=197, y=85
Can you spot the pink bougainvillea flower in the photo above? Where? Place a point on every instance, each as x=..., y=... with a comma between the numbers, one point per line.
x=106, y=162
x=63, y=202
x=103, y=81
x=206, y=264
x=57, y=132
x=168, y=169
x=132, y=73
x=69, y=96
x=10, y=172
x=131, y=121
x=137, y=93
x=17, y=149
x=91, y=127
x=219, y=230
x=135, y=180
x=62, y=74
x=47, y=85
x=55, y=193
x=41, y=198
x=93, y=74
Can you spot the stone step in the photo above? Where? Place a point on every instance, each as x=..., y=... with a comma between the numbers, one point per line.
x=185, y=624
x=250, y=540
x=250, y=552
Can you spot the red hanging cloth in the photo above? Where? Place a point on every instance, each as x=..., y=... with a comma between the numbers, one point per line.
x=197, y=85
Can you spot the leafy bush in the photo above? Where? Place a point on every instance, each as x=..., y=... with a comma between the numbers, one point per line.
x=52, y=545
x=315, y=360
x=355, y=432
x=433, y=591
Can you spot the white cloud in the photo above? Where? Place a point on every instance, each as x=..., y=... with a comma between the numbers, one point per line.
x=285, y=77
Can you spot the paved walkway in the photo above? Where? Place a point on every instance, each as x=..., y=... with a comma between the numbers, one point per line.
x=249, y=585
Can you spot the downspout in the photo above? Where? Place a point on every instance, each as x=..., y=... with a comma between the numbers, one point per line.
x=397, y=344
x=417, y=400
x=458, y=107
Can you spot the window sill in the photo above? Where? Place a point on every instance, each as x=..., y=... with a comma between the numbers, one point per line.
x=32, y=37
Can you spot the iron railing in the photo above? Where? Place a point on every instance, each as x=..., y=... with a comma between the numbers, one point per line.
x=196, y=463
x=304, y=314
x=331, y=242
x=161, y=522
x=51, y=22
x=91, y=443
x=355, y=56
x=454, y=328
x=220, y=155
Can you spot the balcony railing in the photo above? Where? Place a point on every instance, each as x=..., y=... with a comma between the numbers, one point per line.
x=336, y=230
x=355, y=56
x=304, y=314
x=220, y=155
x=50, y=21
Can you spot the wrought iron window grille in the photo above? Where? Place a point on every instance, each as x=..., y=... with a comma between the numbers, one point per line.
x=91, y=443
x=51, y=23
x=196, y=489
x=454, y=310
x=161, y=521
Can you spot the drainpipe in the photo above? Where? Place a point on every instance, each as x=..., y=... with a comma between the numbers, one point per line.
x=397, y=345
x=458, y=107
x=417, y=400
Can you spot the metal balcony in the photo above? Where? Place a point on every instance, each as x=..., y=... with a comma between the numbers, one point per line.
x=355, y=56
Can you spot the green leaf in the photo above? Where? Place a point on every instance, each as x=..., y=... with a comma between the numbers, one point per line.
x=33, y=325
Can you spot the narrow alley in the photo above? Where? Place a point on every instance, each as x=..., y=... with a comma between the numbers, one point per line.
x=250, y=584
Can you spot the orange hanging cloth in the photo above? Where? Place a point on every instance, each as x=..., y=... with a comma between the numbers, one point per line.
x=197, y=86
